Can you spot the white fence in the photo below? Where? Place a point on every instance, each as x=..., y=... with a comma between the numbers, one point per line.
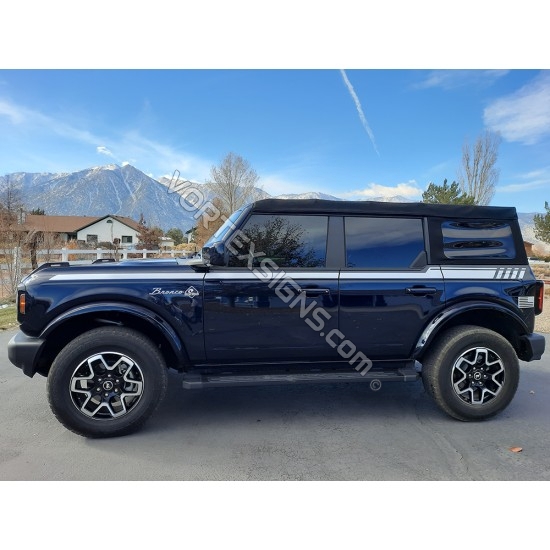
x=75, y=255
x=14, y=264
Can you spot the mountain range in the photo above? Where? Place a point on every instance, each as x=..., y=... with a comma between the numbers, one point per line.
x=126, y=191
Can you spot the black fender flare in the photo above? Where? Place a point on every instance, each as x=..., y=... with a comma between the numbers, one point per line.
x=132, y=309
x=440, y=320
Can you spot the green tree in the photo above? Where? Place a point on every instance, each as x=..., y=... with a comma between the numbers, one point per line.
x=542, y=224
x=176, y=235
x=446, y=194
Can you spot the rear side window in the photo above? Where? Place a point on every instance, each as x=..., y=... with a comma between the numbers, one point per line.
x=375, y=243
x=477, y=240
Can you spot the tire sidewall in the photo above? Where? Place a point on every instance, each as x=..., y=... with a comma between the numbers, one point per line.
x=126, y=342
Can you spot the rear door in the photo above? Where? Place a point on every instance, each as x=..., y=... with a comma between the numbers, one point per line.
x=388, y=293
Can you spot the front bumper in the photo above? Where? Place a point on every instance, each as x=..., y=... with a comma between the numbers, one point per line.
x=24, y=352
x=532, y=347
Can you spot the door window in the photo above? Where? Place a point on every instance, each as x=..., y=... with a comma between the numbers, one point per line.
x=376, y=243
x=288, y=241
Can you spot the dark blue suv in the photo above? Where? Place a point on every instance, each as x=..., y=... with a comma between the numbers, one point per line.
x=292, y=291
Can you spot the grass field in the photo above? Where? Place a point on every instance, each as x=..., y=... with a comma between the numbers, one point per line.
x=8, y=317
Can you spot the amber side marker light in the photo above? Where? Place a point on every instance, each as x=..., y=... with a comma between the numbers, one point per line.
x=22, y=299
x=539, y=297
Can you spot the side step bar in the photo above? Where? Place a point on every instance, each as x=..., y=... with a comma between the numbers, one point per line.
x=200, y=380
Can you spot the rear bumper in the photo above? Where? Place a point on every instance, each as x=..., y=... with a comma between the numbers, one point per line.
x=532, y=347
x=24, y=352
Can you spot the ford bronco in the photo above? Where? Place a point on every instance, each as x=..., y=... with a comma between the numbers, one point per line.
x=291, y=291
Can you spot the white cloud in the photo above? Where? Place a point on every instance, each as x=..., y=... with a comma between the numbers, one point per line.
x=373, y=190
x=162, y=157
x=102, y=150
x=451, y=79
x=523, y=116
x=37, y=121
x=11, y=111
x=278, y=185
x=522, y=187
x=145, y=153
x=362, y=117
x=535, y=179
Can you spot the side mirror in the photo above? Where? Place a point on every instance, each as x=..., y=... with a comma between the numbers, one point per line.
x=214, y=254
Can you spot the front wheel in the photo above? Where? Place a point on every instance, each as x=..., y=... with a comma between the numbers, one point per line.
x=471, y=372
x=107, y=382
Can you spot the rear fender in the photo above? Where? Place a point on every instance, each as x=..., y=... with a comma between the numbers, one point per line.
x=506, y=322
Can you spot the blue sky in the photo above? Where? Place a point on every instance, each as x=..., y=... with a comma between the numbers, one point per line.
x=353, y=133
x=169, y=86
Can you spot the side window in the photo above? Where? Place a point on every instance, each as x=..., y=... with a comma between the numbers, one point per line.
x=375, y=243
x=286, y=240
x=477, y=240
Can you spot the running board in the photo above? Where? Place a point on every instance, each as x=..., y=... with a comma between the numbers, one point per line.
x=199, y=380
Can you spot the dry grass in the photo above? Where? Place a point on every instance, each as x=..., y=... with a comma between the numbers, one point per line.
x=8, y=317
x=542, y=321
x=541, y=271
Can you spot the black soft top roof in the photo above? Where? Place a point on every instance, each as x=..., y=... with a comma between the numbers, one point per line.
x=319, y=206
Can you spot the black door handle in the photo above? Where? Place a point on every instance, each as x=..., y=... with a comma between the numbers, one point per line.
x=315, y=291
x=421, y=290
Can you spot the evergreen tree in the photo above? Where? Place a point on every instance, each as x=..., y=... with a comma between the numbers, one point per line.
x=542, y=224
x=446, y=194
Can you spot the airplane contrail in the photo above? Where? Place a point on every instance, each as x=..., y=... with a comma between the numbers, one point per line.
x=359, y=109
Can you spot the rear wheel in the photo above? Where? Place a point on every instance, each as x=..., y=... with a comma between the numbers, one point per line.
x=471, y=372
x=107, y=382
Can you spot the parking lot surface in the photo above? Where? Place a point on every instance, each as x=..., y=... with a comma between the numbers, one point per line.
x=319, y=432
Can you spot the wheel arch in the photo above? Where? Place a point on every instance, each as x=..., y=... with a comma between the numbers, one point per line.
x=78, y=320
x=491, y=316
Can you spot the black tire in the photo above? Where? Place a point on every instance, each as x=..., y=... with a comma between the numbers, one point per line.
x=472, y=373
x=107, y=382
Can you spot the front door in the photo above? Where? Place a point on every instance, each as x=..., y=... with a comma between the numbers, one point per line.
x=276, y=301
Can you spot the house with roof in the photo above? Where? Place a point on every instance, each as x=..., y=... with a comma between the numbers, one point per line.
x=89, y=230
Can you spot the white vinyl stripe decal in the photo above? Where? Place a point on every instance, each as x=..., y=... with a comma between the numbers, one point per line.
x=445, y=272
x=469, y=272
x=150, y=276
x=510, y=273
x=430, y=273
x=260, y=274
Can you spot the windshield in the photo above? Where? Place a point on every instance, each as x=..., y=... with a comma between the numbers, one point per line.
x=223, y=230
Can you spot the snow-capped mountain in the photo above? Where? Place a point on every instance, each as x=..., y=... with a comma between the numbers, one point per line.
x=311, y=195
x=395, y=198
x=183, y=186
x=112, y=189
x=126, y=191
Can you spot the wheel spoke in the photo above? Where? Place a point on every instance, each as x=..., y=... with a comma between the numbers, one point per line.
x=478, y=376
x=106, y=385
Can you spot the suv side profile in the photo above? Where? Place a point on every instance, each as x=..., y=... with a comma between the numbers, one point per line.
x=292, y=291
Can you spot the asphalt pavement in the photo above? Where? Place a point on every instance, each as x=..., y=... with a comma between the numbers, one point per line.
x=318, y=432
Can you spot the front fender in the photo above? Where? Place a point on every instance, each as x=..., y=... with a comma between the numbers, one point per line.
x=120, y=307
